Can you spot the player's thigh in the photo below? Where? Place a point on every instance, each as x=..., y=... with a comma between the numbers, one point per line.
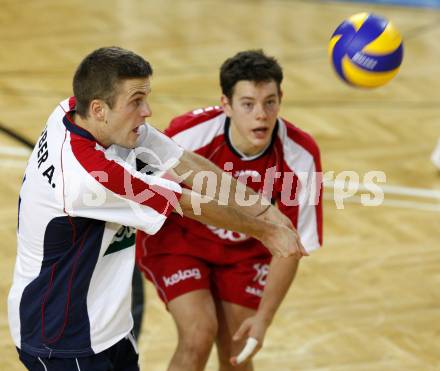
x=195, y=315
x=241, y=283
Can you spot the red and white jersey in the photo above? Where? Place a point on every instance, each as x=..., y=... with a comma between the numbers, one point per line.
x=79, y=204
x=288, y=172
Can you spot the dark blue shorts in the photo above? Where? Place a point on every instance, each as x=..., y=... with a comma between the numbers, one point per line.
x=120, y=357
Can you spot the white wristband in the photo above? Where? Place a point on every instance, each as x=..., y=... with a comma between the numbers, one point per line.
x=250, y=346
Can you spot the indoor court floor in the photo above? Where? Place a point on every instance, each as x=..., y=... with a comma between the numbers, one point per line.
x=369, y=300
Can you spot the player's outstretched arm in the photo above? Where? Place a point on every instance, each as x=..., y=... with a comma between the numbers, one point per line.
x=279, y=239
x=195, y=169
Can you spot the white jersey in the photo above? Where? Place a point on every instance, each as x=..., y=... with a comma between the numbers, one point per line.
x=79, y=204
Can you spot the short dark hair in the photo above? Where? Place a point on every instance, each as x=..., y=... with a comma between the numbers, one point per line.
x=99, y=74
x=249, y=65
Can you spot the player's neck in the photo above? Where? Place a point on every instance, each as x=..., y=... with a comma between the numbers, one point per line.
x=244, y=146
x=91, y=127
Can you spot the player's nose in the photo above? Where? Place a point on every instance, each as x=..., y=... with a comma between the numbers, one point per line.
x=146, y=110
x=260, y=113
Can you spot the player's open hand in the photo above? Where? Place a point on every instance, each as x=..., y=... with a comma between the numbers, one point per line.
x=253, y=330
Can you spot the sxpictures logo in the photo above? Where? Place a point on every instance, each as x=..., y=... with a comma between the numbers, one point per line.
x=159, y=188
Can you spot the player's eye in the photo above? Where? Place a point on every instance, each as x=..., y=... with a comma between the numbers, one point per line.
x=138, y=102
x=248, y=105
x=271, y=104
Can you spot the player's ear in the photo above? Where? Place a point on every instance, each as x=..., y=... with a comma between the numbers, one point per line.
x=98, y=109
x=226, y=104
x=280, y=94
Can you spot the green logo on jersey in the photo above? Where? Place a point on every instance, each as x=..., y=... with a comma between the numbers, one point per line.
x=123, y=239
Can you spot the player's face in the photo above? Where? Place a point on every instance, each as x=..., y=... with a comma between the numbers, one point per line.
x=129, y=112
x=253, y=111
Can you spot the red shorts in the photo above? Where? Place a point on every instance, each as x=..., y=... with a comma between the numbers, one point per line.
x=239, y=283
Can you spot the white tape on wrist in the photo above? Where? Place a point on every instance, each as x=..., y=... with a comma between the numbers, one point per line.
x=250, y=346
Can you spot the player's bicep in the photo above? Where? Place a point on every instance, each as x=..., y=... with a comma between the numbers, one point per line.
x=120, y=194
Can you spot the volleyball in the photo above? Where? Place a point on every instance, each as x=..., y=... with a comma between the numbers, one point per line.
x=366, y=50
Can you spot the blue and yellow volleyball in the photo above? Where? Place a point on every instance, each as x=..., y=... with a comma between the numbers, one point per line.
x=366, y=50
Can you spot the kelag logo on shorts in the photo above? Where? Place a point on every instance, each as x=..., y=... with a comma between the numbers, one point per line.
x=181, y=276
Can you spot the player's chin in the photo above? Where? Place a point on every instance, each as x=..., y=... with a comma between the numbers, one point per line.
x=131, y=139
x=261, y=142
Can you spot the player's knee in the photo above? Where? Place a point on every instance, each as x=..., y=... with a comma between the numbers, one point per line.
x=199, y=337
x=225, y=349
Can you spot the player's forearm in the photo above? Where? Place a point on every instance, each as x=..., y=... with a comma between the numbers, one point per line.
x=281, y=274
x=207, y=210
x=206, y=178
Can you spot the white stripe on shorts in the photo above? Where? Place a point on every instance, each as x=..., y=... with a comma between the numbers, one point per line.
x=132, y=340
x=45, y=368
